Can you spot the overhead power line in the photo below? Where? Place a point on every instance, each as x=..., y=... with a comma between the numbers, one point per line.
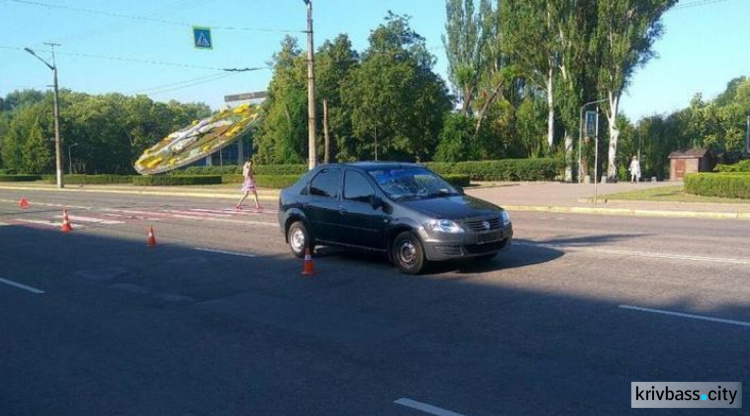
x=148, y=19
x=148, y=61
x=697, y=3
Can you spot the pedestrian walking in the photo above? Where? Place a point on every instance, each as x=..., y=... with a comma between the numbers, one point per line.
x=635, y=170
x=248, y=185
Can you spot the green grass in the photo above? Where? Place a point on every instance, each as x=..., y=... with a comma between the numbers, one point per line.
x=669, y=194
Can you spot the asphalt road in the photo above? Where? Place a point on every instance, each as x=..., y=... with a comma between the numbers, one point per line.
x=216, y=320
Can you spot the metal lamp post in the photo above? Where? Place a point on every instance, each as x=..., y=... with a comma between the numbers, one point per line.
x=70, y=159
x=312, y=151
x=58, y=156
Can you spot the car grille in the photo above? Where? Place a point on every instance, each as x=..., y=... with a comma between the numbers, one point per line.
x=478, y=225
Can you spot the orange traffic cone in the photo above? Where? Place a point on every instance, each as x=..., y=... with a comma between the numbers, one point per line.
x=66, y=227
x=23, y=203
x=151, y=238
x=309, y=268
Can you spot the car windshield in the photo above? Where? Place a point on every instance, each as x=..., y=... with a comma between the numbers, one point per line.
x=412, y=183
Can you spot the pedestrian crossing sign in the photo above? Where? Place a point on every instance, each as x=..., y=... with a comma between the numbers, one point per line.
x=202, y=37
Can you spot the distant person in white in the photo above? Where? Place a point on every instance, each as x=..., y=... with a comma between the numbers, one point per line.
x=635, y=170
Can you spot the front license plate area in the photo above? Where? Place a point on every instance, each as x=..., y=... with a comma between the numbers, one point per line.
x=489, y=237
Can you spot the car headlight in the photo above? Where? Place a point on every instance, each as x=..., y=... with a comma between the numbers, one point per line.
x=444, y=226
x=505, y=218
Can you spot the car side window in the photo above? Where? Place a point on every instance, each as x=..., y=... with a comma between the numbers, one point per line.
x=357, y=188
x=326, y=183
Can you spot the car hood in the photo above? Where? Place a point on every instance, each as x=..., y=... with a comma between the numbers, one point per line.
x=452, y=208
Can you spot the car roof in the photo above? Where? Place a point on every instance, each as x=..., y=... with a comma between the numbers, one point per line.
x=369, y=166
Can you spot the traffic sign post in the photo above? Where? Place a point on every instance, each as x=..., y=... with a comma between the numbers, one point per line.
x=202, y=38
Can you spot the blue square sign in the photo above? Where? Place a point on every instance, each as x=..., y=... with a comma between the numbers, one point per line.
x=202, y=37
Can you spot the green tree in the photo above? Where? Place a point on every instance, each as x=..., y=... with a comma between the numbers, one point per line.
x=37, y=151
x=396, y=100
x=457, y=140
x=626, y=32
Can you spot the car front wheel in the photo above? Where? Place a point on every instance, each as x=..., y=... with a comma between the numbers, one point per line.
x=407, y=253
x=299, y=239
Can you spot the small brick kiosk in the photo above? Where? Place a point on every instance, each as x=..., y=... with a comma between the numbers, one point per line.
x=689, y=161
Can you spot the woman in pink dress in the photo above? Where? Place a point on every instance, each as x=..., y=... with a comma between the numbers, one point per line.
x=249, y=184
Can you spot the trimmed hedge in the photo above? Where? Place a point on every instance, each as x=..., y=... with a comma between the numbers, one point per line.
x=94, y=179
x=264, y=181
x=170, y=180
x=19, y=178
x=8, y=172
x=237, y=170
x=458, y=180
x=718, y=184
x=502, y=170
x=742, y=166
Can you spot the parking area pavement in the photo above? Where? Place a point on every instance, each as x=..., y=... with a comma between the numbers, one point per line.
x=216, y=319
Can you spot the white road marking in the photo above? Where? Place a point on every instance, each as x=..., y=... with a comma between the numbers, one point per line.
x=686, y=315
x=194, y=216
x=91, y=219
x=49, y=223
x=20, y=286
x=426, y=408
x=231, y=253
x=638, y=253
x=3, y=224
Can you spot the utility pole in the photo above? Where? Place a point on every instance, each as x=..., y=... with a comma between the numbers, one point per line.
x=327, y=156
x=58, y=151
x=596, y=159
x=747, y=135
x=311, y=151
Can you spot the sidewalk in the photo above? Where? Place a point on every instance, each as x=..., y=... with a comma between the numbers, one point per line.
x=577, y=198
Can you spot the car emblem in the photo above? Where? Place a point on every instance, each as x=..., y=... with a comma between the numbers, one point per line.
x=486, y=225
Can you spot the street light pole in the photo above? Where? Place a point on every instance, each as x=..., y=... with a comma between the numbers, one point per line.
x=580, y=134
x=58, y=155
x=747, y=135
x=312, y=151
x=70, y=159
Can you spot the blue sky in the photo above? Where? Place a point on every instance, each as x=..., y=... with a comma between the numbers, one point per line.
x=703, y=48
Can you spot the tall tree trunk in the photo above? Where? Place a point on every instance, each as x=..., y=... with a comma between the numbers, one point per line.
x=486, y=106
x=614, y=134
x=568, y=157
x=550, y=112
x=327, y=145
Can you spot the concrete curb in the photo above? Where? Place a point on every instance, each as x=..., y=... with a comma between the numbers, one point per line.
x=234, y=195
x=632, y=212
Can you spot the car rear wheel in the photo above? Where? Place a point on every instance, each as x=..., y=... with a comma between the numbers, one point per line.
x=407, y=253
x=299, y=239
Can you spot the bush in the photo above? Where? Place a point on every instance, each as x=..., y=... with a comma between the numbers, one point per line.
x=281, y=169
x=458, y=180
x=208, y=170
x=176, y=180
x=93, y=179
x=502, y=170
x=237, y=170
x=19, y=178
x=456, y=141
x=8, y=172
x=718, y=184
x=743, y=166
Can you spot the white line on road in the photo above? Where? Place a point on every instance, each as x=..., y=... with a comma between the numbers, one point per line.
x=48, y=223
x=687, y=315
x=426, y=408
x=637, y=253
x=92, y=219
x=20, y=286
x=231, y=253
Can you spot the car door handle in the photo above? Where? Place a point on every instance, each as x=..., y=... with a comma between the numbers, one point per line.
x=343, y=211
x=306, y=205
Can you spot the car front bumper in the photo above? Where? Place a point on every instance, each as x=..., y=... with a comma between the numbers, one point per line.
x=444, y=246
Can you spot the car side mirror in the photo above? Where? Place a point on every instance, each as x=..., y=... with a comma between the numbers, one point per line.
x=460, y=190
x=375, y=201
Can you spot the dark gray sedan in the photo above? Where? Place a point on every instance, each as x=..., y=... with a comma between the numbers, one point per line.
x=403, y=210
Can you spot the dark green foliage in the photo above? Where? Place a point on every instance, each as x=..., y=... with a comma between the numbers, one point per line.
x=458, y=180
x=276, y=181
x=718, y=184
x=457, y=141
x=503, y=170
x=94, y=179
x=19, y=178
x=237, y=170
x=171, y=180
x=743, y=166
